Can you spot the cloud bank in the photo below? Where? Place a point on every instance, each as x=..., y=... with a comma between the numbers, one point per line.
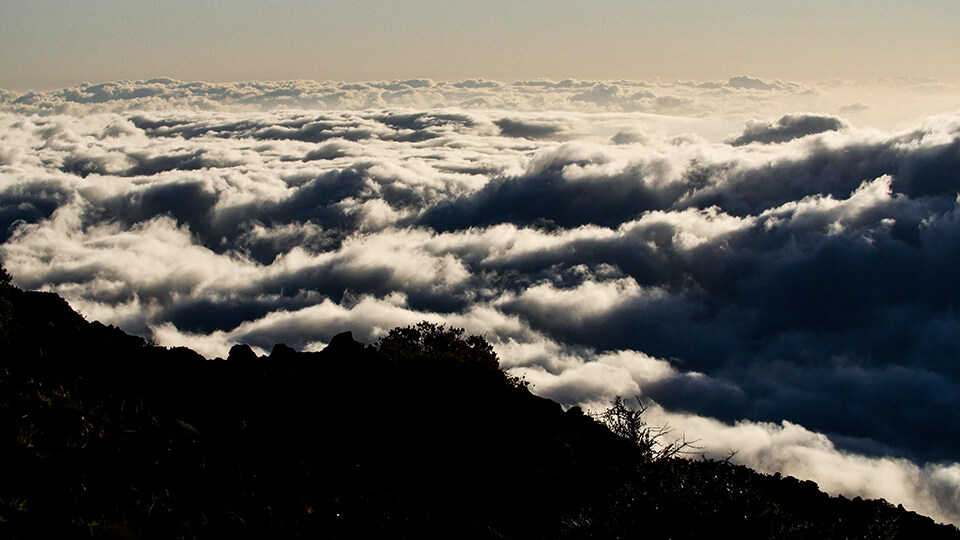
x=784, y=287
x=882, y=102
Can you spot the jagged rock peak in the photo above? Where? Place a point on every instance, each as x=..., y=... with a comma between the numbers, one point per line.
x=241, y=353
x=344, y=342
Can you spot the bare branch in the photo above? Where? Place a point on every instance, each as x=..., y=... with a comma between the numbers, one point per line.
x=628, y=423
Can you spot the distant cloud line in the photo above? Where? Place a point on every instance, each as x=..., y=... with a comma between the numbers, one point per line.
x=477, y=94
x=741, y=95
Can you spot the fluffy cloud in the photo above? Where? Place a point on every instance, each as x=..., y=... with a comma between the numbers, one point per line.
x=885, y=101
x=787, y=128
x=789, y=294
x=791, y=449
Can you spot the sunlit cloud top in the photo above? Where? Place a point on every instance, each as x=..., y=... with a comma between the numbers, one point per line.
x=762, y=260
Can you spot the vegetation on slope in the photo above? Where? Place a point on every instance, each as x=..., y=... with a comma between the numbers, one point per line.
x=421, y=435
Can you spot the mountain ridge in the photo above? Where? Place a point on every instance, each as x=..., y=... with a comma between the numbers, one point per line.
x=420, y=435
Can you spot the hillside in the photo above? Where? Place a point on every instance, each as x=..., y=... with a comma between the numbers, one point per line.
x=107, y=436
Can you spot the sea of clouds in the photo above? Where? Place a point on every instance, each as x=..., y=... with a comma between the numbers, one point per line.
x=771, y=266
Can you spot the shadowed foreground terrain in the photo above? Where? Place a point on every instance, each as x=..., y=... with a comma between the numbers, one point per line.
x=422, y=435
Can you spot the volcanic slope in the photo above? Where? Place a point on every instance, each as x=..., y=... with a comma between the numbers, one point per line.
x=107, y=436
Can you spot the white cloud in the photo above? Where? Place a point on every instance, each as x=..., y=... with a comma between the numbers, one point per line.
x=791, y=449
x=601, y=235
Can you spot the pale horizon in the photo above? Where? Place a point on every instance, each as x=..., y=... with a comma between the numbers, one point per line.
x=55, y=44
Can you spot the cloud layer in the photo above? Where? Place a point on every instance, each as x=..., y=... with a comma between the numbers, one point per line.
x=883, y=102
x=787, y=289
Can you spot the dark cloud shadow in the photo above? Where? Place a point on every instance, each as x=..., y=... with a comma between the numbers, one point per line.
x=787, y=128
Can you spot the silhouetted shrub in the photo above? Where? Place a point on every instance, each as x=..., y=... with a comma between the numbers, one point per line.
x=427, y=340
x=653, y=441
x=438, y=343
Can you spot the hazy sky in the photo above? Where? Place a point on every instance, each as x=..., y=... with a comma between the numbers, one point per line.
x=47, y=44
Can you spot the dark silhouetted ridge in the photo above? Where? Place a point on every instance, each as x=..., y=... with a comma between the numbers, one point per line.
x=419, y=436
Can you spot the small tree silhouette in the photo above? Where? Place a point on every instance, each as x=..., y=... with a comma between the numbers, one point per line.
x=629, y=423
x=435, y=341
x=430, y=341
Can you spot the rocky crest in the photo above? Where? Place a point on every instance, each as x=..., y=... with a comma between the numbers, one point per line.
x=107, y=436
